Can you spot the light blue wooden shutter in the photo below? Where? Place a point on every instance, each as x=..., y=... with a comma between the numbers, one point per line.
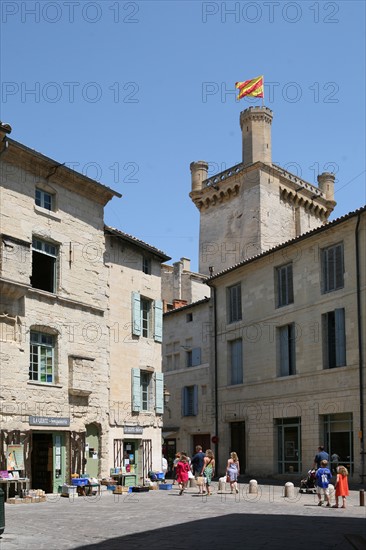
x=136, y=390
x=195, y=400
x=136, y=314
x=340, y=337
x=158, y=321
x=159, y=393
x=196, y=357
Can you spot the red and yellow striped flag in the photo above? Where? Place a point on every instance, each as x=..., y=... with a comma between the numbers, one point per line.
x=254, y=87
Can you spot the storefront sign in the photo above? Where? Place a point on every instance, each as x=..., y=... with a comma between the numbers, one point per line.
x=49, y=421
x=132, y=429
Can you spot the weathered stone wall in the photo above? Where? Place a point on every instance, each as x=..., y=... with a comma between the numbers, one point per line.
x=74, y=314
x=125, y=276
x=179, y=336
x=313, y=391
x=249, y=221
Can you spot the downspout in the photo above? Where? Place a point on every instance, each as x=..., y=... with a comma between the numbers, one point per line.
x=216, y=385
x=360, y=357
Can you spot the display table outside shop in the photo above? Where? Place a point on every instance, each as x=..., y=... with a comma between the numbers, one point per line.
x=127, y=480
x=87, y=490
x=22, y=484
x=85, y=486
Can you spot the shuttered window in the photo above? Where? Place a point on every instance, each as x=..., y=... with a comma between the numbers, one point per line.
x=190, y=401
x=136, y=392
x=146, y=397
x=236, y=361
x=287, y=350
x=147, y=317
x=285, y=287
x=332, y=268
x=193, y=357
x=334, y=339
x=158, y=321
x=159, y=393
x=234, y=303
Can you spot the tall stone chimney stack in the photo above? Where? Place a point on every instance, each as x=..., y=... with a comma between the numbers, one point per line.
x=199, y=173
x=326, y=184
x=255, y=124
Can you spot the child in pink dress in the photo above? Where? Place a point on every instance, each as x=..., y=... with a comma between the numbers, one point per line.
x=341, y=488
x=182, y=470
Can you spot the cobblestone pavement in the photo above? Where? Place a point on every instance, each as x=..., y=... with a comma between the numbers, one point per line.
x=163, y=519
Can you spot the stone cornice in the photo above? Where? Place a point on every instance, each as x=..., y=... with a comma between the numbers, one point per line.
x=56, y=298
x=256, y=114
x=220, y=187
x=44, y=168
x=293, y=189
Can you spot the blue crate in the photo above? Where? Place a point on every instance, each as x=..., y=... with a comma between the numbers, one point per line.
x=79, y=481
x=111, y=487
x=165, y=486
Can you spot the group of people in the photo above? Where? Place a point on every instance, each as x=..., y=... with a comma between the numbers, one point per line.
x=202, y=468
x=323, y=477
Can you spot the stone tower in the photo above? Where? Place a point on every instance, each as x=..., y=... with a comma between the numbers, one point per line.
x=255, y=124
x=255, y=205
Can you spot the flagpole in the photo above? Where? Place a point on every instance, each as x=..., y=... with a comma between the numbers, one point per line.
x=263, y=93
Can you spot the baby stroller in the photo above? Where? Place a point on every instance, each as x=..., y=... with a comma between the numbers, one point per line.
x=308, y=485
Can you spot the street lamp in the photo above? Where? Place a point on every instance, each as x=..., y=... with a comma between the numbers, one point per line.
x=166, y=395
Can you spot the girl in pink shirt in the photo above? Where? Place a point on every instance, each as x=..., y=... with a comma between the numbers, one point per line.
x=182, y=470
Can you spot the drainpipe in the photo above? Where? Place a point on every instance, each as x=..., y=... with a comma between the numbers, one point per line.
x=216, y=385
x=360, y=357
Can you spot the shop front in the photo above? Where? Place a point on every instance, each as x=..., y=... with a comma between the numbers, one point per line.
x=48, y=460
x=46, y=455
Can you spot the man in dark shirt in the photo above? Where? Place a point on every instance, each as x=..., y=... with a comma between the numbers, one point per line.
x=197, y=464
x=322, y=455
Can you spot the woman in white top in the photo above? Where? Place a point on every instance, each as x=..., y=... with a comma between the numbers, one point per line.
x=232, y=472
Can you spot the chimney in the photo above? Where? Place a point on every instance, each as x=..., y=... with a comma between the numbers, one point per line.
x=186, y=262
x=4, y=129
x=255, y=124
x=199, y=172
x=326, y=184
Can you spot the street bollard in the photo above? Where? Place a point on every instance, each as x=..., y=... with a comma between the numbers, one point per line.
x=2, y=512
x=331, y=493
x=253, y=487
x=289, y=490
x=362, y=497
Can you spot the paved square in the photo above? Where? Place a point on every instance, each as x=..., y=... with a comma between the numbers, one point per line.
x=163, y=519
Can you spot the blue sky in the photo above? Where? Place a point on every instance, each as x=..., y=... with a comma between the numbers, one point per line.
x=131, y=93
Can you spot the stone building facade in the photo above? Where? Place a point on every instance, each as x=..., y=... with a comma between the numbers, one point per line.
x=54, y=340
x=69, y=339
x=135, y=323
x=286, y=367
x=289, y=328
x=186, y=364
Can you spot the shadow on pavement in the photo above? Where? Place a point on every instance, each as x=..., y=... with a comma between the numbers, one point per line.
x=250, y=531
